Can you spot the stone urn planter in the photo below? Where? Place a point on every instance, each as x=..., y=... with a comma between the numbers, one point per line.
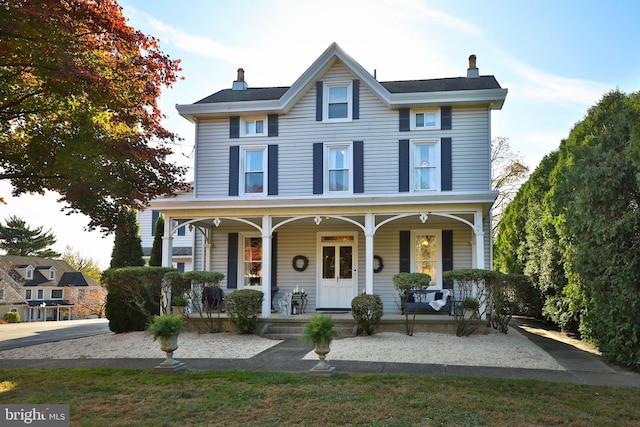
x=319, y=332
x=167, y=328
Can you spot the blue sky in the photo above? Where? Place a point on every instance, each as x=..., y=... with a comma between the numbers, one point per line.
x=557, y=58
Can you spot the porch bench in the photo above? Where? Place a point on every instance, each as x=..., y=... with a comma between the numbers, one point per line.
x=433, y=299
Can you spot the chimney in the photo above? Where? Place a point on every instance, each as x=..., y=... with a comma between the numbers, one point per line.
x=240, y=84
x=472, y=71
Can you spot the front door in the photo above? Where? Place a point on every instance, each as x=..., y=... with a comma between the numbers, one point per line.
x=338, y=281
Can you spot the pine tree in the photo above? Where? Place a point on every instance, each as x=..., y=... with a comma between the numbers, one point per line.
x=155, y=258
x=127, y=246
x=17, y=238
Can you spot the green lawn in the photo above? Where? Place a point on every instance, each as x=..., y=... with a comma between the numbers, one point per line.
x=134, y=397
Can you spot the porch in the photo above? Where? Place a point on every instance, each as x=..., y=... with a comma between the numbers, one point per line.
x=282, y=327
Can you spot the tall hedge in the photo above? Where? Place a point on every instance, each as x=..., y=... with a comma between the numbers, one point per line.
x=580, y=240
x=133, y=296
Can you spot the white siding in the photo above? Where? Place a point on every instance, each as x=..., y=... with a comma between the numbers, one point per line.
x=377, y=127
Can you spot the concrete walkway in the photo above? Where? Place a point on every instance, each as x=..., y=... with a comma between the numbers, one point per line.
x=581, y=367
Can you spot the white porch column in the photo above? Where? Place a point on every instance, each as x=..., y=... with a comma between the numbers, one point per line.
x=479, y=231
x=369, y=230
x=266, y=265
x=208, y=236
x=167, y=260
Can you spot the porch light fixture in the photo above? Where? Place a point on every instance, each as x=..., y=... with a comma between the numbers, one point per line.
x=317, y=219
x=424, y=217
x=216, y=222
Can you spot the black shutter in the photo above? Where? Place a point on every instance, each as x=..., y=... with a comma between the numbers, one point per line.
x=154, y=217
x=405, y=251
x=181, y=230
x=404, y=118
x=272, y=174
x=234, y=169
x=358, y=167
x=318, y=167
x=319, y=89
x=446, y=163
x=403, y=170
x=234, y=127
x=232, y=264
x=445, y=117
x=356, y=100
x=272, y=125
x=274, y=264
x=447, y=254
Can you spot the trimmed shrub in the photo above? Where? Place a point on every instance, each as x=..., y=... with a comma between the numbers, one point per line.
x=403, y=283
x=367, y=312
x=244, y=307
x=133, y=297
x=12, y=317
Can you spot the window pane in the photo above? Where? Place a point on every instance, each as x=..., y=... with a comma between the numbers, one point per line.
x=424, y=179
x=338, y=158
x=250, y=128
x=253, y=161
x=425, y=155
x=430, y=120
x=346, y=255
x=328, y=262
x=252, y=261
x=338, y=111
x=259, y=126
x=339, y=180
x=419, y=120
x=426, y=252
x=253, y=182
x=338, y=94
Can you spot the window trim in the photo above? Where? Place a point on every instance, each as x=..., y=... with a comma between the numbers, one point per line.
x=414, y=112
x=325, y=101
x=245, y=120
x=326, y=175
x=265, y=170
x=437, y=282
x=52, y=273
x=61, y=293
x=438, y=165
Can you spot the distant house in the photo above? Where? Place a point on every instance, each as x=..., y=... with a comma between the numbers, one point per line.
x=36, y=287
x=338, y=182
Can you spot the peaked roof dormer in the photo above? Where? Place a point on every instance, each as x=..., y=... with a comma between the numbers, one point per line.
x=396, y=94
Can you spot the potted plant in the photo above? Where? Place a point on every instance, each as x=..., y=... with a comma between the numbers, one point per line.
x=167, y=327
x=319, y=332
x=178, y=304
x=469, y=306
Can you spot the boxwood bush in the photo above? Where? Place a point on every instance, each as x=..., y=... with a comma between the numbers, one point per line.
x=12, y=317
x=367, y=312
x=244, y=307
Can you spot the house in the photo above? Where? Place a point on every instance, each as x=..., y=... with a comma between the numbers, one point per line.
x=340, y=181
x=183, y=240
x=41, y=288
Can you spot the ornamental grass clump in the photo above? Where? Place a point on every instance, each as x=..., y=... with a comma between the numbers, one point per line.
x=367, y=312
x=165, y=326
x=319, y=330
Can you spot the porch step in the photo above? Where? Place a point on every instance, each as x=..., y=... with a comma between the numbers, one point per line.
x=283, y=331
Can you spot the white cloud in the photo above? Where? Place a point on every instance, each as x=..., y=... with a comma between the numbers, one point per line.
x=567, y=92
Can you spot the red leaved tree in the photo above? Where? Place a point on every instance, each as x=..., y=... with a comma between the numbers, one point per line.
x=78, y=107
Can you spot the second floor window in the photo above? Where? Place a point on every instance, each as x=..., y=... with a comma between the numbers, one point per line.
x=425, y=119
x=40, y=294
x=27, y=294
x=425, y=169
x=339, y=167
x=253, y=167
x=56, y=293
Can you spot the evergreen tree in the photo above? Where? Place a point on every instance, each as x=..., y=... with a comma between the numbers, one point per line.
x=17, y=238
x=155, y=258
x=127, y=246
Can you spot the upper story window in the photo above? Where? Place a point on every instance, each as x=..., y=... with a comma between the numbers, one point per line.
x=339, y=166
x=29, y=273
x=40, y=293
x=52, y=273
x=27, y=294
x=253, y=126
x=56, y=293
x=425, y=165
x=253, y=170
x=338, y=101
x=425, y=119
